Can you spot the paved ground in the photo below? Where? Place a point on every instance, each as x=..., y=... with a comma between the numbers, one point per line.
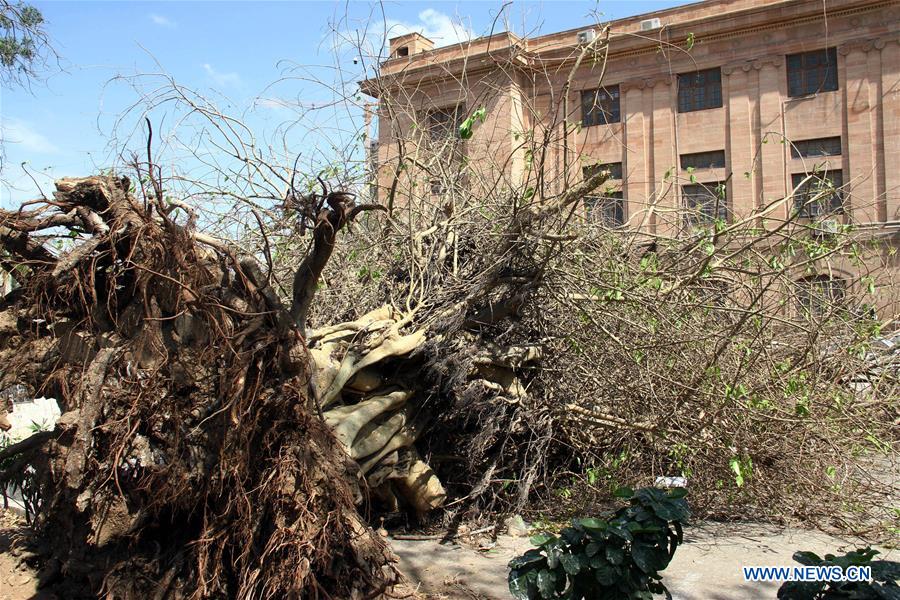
x=706, y=567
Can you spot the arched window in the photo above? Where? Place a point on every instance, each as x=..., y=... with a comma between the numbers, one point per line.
x=819, y=294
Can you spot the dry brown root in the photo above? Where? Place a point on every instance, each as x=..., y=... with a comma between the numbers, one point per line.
x=365, y=412
x=374, y=422
x=189, y=460
x=392, y=343
x=376, y=434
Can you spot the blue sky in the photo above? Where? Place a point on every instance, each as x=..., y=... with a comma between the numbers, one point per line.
x=230, y=51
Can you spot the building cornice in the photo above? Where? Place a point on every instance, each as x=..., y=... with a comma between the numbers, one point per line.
x=653, y=46
x=868, y=45
x=774, y=60
x=428, y=68
x=646, y=82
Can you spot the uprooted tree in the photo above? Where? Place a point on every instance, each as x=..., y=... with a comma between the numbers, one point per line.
x=190, y=458
x=237, y=393
x=194, y=454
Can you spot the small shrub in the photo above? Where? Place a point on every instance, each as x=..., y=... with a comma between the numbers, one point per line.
x=598, y=559
x=885, y=575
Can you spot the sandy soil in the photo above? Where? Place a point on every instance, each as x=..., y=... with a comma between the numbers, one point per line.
x=706, y=567
x=18, y=579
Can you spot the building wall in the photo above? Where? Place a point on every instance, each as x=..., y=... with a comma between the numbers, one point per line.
x=492, y=155
x=757, y=117
x=529, y=87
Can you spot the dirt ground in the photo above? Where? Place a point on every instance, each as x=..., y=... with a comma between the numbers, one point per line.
x=18, y=581
x=706, y=567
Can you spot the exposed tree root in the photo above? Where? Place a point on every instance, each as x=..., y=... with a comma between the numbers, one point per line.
x=207, y=448
x=190, y=460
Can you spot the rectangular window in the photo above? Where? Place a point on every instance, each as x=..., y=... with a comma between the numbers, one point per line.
x=608, y=209
x=442, y=133
x=812, y=72
x=818, y=193
x=600, y=107
x=700, y=90
x=615, y=170
x=819, y=147
x=703, y=160
x=819, y=295
x=443, y=123
x=704, y=202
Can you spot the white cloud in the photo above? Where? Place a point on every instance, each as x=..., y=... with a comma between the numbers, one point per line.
x=17, y=131
x=162, y=21
x=273, y=103
x=222, y=79
x=372, y=37
x=436, y=26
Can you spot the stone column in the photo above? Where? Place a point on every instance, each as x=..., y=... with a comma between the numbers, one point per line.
x=664, y=159
x=635, y=171
x=889, y=105
x=740, y=145
x=772, y=87
x=861, y=174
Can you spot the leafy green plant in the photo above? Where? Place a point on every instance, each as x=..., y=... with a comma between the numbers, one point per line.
x=24, y=45
x=885, y=575
x=20, y=479
x=465, y=128
x=596, y=559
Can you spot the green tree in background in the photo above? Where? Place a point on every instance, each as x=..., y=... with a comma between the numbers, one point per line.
x=24, y=45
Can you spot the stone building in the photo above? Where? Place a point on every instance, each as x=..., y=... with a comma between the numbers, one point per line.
x=710, y=110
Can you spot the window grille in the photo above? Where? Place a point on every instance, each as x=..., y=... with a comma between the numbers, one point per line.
x=600, y=106
x=812, y=72
x=818, y=194
x=704, y=202
x=703, y=160
x=830, y=146
x=700, y=90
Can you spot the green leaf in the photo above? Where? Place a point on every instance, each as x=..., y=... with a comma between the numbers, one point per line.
x=735, y=465
x=676, y=493
x=689, y=43
x=592, y=523
x=639, y=529
x=570, y=563
x=671, y=510
x=621, y=532
x=624, y=492
x=571, y=536
x=546, y=583
x=615, y=555
x=531, y=557
x=540, y=539
x=605, y=575
x=592, y=548
x=646, y=558
x=522, y=585
x=465, y=128
x=553, y=549
x=806, y=558
x=801, y=590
